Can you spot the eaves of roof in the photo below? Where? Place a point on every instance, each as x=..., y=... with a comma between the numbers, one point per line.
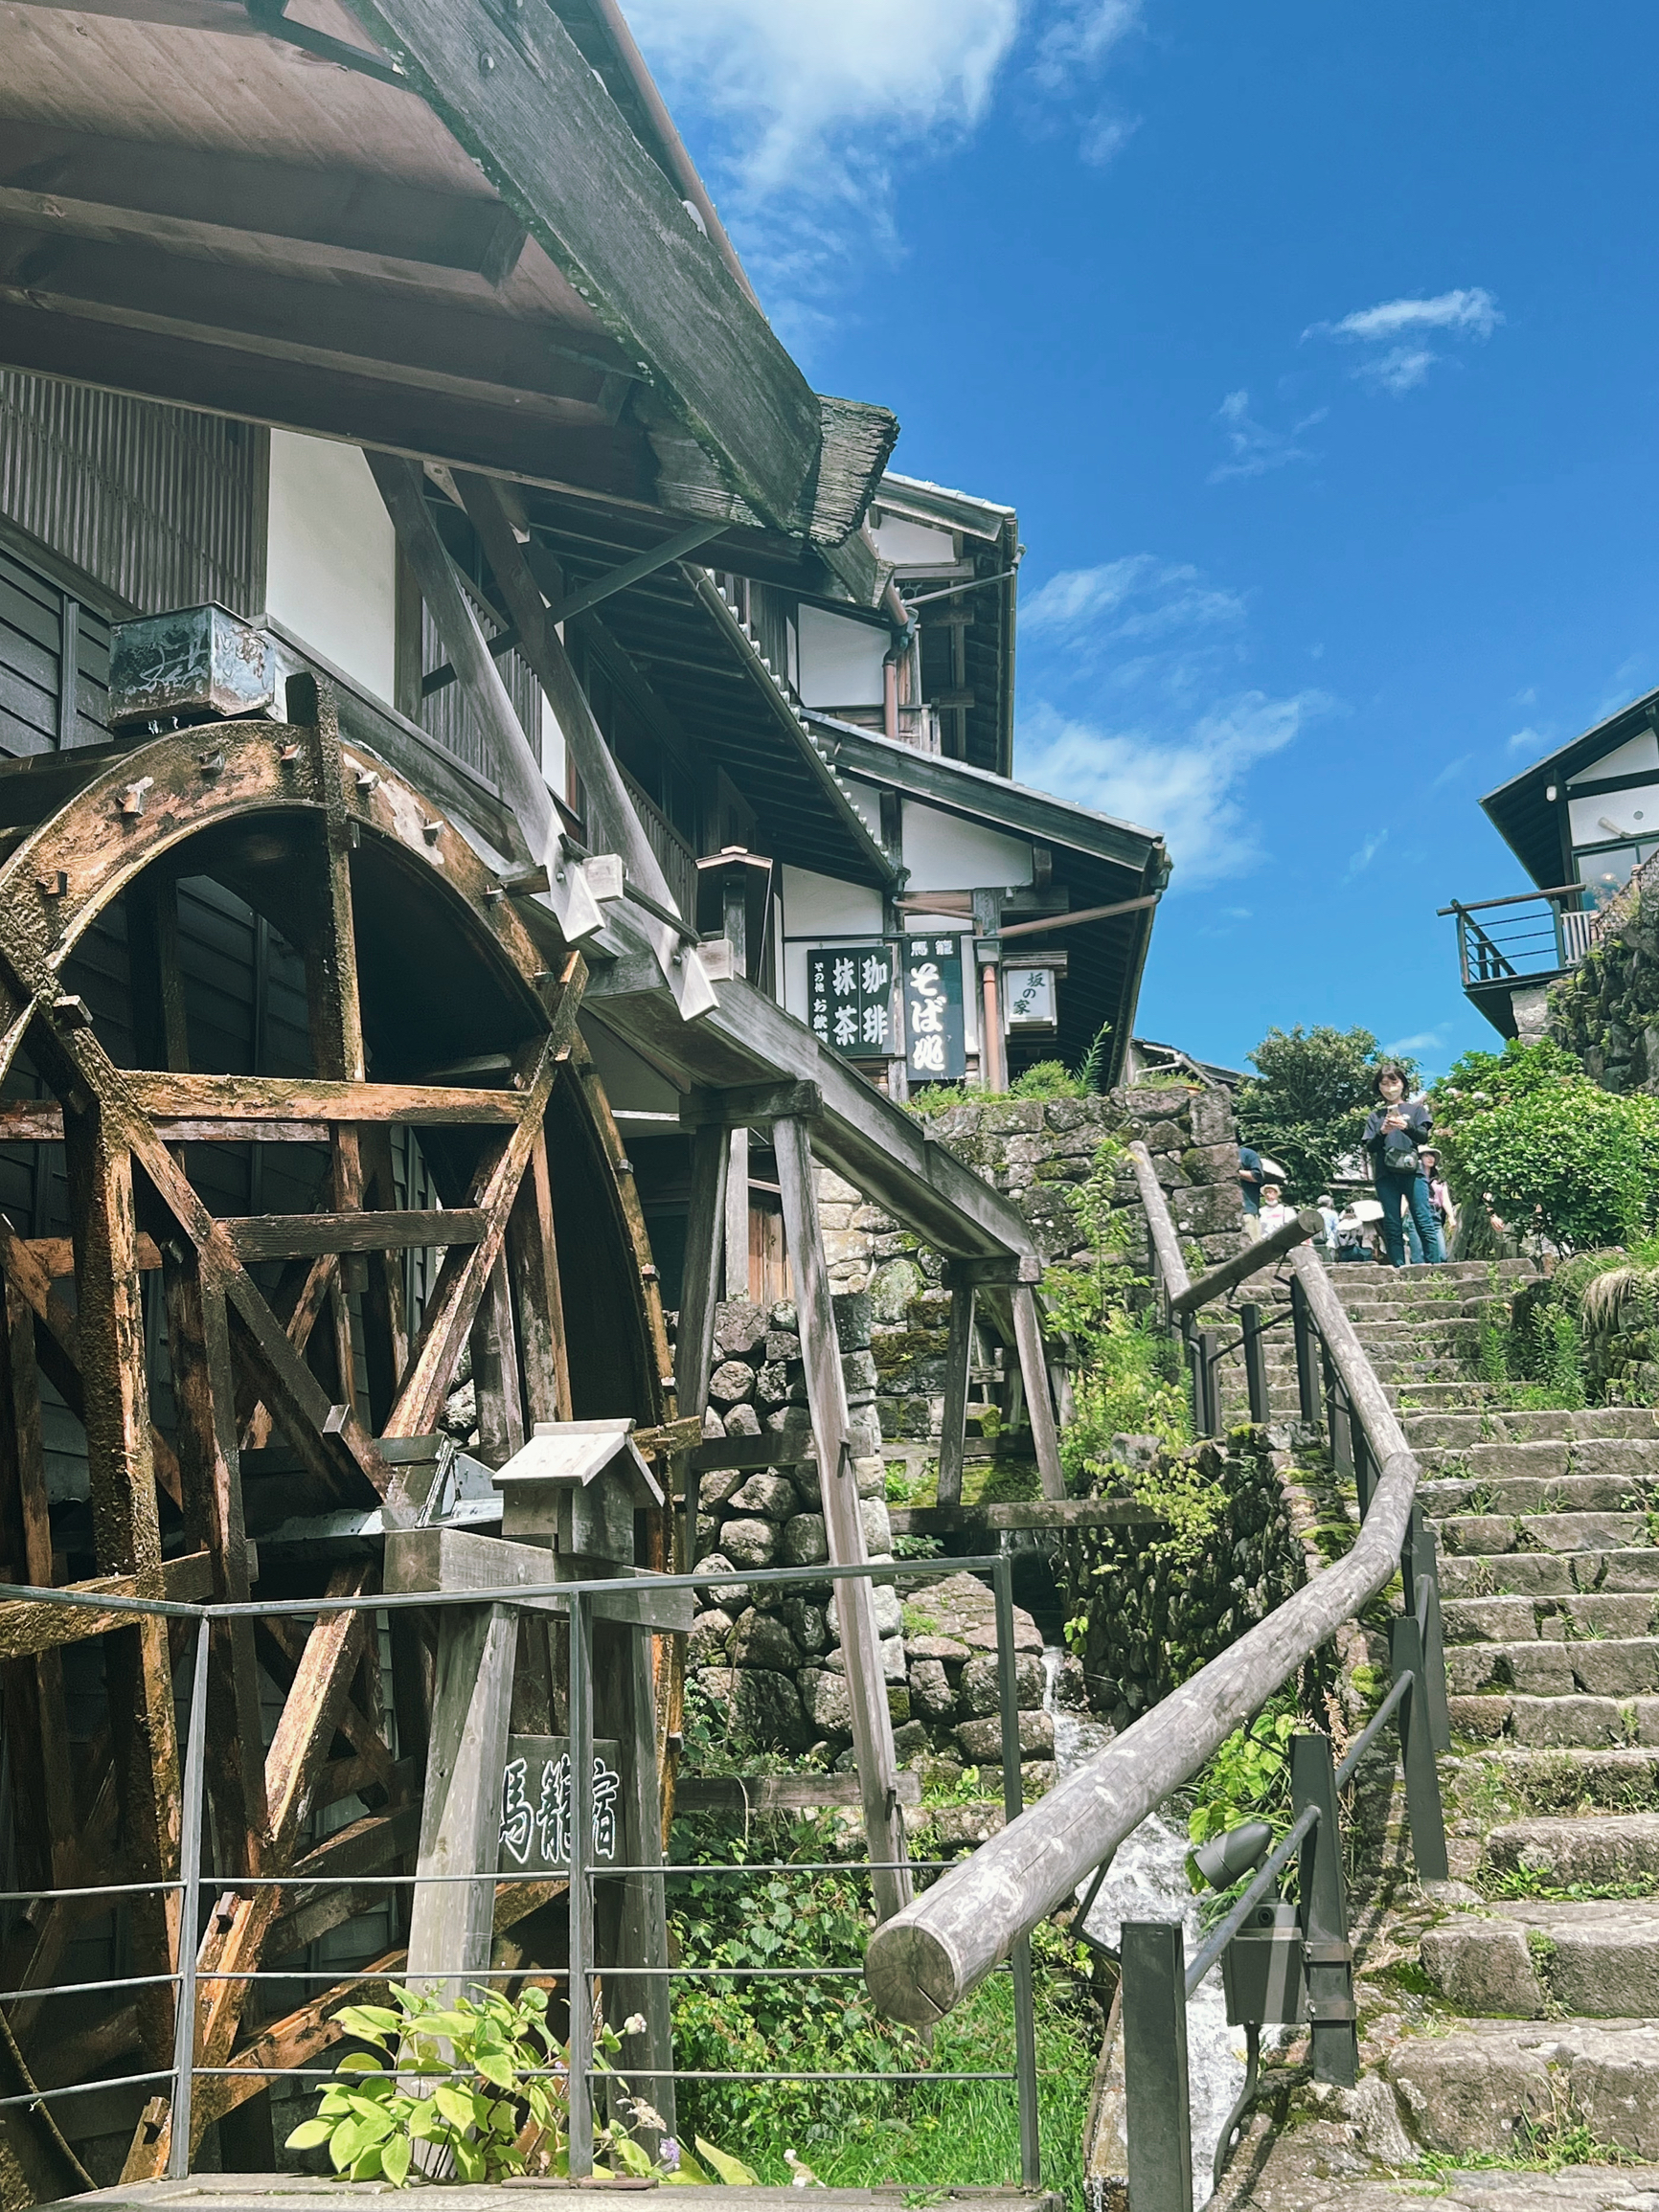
x=976, y=795
x=1527, y=820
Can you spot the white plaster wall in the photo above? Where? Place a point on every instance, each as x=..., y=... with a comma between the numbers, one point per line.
x=840, y=660
x=817, y=907
x=552, y=765
x=330, y=560
x=1638, y=755
x=944, y=854
x=1631, y=813
x=911, y=544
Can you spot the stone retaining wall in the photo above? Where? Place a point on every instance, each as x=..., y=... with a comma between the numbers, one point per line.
x=1606, y=1012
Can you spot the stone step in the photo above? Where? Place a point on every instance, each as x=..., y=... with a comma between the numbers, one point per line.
x=1557, y=1722
x=1474, y=2092
x=1556, y=1619
x=1490, y=1534
x=1608, y=1666
x=1548, y=1457
x=1509, y=1782
x=1363, y=1273
x=1534, y=1575
x=1535, y=1960
x=1425, y=1432
x=1598, y=1851
x=1617, y=1489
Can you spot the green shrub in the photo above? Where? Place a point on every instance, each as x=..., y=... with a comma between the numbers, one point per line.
x=1528, y=1130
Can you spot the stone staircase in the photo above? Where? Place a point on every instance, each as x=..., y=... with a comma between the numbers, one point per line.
x=1517, y=2005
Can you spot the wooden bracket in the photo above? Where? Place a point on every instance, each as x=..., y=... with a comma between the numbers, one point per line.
x=751, y=1103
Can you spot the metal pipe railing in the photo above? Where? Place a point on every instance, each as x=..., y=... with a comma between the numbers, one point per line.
x=583, y=2071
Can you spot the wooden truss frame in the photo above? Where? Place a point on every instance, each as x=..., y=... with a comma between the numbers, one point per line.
x=246, y=1360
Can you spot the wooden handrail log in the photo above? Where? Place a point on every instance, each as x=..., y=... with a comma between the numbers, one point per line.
x=1160, y=1226
x=926, y=1959
x=1249, y=1263
x=1366, y=1395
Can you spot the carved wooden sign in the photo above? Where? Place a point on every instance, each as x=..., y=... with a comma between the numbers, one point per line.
x=537, y=1805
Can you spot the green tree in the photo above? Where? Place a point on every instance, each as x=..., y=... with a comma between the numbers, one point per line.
x=1308, y=1101
x=1527, y=1129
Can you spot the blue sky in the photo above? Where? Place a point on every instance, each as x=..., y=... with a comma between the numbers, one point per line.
x=1318, y=348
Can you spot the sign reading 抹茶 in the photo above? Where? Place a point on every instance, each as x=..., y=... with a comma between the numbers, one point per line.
x=933, y=1017
x=537, y=1799
x=851, y=999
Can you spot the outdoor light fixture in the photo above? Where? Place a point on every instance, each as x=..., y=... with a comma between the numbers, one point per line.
x=1226, y=1859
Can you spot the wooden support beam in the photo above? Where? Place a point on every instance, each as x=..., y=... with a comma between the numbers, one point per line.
x=36, y=1714
x=27, y=1626
x=306, y=1235
x=614, y=820
x=452, y=1921
x=234, y=1107
x=1039, y=1401
x=126, y=1531
x=494, y=1342
x=204, y=1402
x=827, y=1397
x=532, y=1263
x=958, y=1358
x=747, y=1105
x=700, y=1287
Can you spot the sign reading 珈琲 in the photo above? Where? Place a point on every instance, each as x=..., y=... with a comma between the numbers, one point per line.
x=933, y=1018
x=852, y=993
x=538, y=1799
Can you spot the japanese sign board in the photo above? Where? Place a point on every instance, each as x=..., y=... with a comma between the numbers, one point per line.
x=537, y=1800
x=1029, y=994
x=933, y=1021
x=852, y=993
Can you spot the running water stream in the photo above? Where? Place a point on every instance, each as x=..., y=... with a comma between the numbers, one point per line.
x=1148, y=1881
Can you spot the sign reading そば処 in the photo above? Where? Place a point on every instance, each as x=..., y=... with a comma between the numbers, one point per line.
x=851, y=999
x=933, y=1018
x=538, y=1800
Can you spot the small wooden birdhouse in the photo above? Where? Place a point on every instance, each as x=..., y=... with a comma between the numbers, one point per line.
x=578, y=1484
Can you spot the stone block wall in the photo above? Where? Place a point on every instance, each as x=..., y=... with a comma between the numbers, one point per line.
x=1606, y=1013
x=1039, y=1153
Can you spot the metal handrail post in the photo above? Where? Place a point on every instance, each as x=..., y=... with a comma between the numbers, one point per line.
x=1157, y=2101
x=1341, y=1425
x=1425, y=1608
x=1327, y=1953
x=1210, y=1340
x=1013, y=1804
x=1193, y=1351
x=1425, y=1814
x=1255, y=1364
x=1307, y=1356
x=1364, y=1467
x=188, y=1911
x=580, y=2080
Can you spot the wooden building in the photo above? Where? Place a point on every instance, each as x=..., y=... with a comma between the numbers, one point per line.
x=605, y=682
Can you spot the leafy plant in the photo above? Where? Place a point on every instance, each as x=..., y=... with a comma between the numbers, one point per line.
x=1245, y=1778
x=492, y=2101
x=1528, y=1131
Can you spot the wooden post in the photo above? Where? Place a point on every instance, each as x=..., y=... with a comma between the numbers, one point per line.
x=1039, y=1403
x=827, y=1399
x=126, y=1532
x=533, y=1255
x=736, y=1223
x=958, y=1360
x=699, y=1293
x=44, y=1791
x=210, y=1470
x=452, y=1925
x=494, y=1343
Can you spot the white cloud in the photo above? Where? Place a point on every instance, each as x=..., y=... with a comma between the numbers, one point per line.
x=1425, y=1041
x=1399, y=329
x=1255, y=448
x=1450, y=772
x=1358, y=862
x=1527, y=740
x=1082, y=36
x=1138, y=601
x=1190, y=785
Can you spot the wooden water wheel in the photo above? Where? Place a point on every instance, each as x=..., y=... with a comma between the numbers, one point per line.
x=186, y=1369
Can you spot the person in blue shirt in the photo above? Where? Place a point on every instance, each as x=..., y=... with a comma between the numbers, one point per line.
x=1251, y=1178
x=1396, y=1130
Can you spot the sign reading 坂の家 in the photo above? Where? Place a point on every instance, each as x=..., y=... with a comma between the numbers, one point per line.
x=933, y=1018
x=537, y=1799
x=851, y=997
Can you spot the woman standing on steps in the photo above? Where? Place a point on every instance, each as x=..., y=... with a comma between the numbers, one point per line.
x=1392, y=1136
